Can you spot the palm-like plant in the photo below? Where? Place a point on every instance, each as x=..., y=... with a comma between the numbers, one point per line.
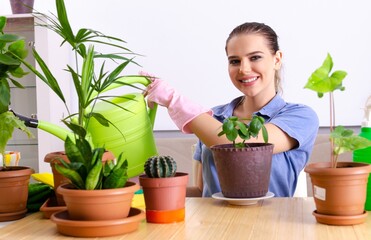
x=88, y=85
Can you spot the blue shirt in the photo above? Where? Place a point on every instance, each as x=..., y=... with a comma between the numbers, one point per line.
x=298, y=121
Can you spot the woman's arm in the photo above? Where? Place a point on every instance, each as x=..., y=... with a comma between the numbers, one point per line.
x=206, y=128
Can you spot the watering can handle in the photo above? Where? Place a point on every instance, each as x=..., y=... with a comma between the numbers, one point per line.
x=131, y=80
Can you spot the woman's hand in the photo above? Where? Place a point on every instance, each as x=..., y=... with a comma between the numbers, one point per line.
x=180, y=109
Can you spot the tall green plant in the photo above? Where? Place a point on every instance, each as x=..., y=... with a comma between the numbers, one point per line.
x=322, y=81
x=12, y=49
x=89, y=81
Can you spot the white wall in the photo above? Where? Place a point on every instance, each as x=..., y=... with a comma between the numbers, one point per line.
x=183, y=43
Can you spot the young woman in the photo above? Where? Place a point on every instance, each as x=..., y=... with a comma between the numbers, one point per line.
x=254, y=62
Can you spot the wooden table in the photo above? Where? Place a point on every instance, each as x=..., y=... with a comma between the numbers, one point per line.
x=207, y=218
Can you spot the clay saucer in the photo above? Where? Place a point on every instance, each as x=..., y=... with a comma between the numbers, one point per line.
x=12, y=216
x=103, y=228
x=340, y=220
x=51, y=206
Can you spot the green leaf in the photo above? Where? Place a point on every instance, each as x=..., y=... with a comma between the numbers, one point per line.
x=100, y=118
x=321, y=82
x=2, y=23
x=8, y=38
x=4, y=93
x=18, y=48
x=7, y=60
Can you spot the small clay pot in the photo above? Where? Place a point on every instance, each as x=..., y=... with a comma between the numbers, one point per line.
x=165, y=198
x=21, y=6
x=96, y=205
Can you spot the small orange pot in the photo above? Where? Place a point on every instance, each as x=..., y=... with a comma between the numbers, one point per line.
x=105, y=204
x=165, y=198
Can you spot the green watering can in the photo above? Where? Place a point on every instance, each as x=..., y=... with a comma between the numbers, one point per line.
x=136, y=140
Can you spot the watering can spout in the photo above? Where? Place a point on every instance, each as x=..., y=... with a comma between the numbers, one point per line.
x=51, y=128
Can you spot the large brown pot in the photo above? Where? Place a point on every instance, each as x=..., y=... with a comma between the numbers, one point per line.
x=14, y=192
x=243, y=172
x=165, y=197
x=339, y=191
x=105, y=204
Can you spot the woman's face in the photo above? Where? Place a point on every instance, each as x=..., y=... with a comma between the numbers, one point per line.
x=252, y=66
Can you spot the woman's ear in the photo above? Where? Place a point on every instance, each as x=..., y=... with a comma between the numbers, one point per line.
x=278, y=60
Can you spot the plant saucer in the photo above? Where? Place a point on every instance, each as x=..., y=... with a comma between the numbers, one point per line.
x=100, y=228
x=242, y=201
x=4, y=217
x=340, y=220
x=51, y=206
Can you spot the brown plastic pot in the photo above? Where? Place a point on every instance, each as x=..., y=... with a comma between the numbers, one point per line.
x=165, y=198
x=14, y=192
x=243, y=172
x=339, y=191
x=105, y=204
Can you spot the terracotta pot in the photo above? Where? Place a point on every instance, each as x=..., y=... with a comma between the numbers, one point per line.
x=14, y=192
x=54, y=158
x=21, y=6
x=165, y=197
x=243, y=172
x=105, y=204
x=339, y=191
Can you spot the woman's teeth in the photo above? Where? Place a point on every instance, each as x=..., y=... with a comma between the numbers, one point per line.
x=249, y=80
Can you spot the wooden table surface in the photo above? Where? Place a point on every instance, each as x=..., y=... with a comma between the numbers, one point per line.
x=207, y=218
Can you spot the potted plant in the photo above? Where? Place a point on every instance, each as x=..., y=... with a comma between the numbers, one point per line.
x=339, y=188
x=164, y=190
x=119, y=123
x=13, y=179
x=243, y=169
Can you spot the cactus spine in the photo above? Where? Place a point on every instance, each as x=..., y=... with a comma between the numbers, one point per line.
x=160, y=167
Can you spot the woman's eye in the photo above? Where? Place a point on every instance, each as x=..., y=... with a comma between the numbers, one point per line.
x=255, y=58
x=234, y=62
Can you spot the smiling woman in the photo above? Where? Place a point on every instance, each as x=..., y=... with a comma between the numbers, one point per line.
x=254, y=60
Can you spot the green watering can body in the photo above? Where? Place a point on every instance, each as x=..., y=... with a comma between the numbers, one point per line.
x=131, y=133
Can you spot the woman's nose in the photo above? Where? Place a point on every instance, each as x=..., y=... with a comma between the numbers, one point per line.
x=245, y=67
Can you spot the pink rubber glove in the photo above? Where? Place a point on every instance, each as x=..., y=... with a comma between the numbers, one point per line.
x=180, y=109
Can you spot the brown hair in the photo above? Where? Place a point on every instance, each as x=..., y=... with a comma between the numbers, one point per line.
x=265, y=31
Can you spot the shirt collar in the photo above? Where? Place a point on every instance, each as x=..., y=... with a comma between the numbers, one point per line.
x=269, y=110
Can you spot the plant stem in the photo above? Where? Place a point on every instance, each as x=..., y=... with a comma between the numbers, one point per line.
x=332, y=124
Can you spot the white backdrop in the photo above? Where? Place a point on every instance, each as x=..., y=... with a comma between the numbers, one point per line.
x=183, y=43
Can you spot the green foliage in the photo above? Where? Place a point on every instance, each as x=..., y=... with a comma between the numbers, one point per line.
x=86, y=169
x=12, y=53
x=160, y=167
x=89, y=76
x=233, y=127
x=346, y=141
x=323, y=81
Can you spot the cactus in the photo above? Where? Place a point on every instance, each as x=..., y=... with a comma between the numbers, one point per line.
x=160, y=167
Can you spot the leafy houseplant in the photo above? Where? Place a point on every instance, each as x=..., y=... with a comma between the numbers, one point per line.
x=99, y=118
x=164, y=190
x=323, y=81
x=13, y=179
x=243, y=169
x=339, y=188
x=98, y=191
x=105, y=116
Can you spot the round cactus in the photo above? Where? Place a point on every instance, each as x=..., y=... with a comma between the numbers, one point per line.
x=160, y=167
